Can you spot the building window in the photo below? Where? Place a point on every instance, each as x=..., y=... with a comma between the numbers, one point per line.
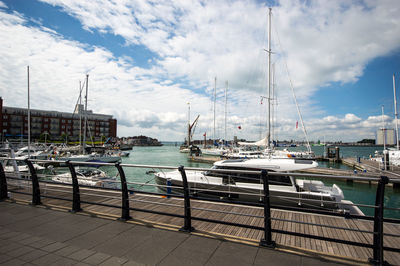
x=5, y=116
x=62, y=126
x=63, y=121
x=4, y=123
x=46, y=120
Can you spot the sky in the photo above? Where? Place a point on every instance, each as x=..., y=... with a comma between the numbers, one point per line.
x=150, y=62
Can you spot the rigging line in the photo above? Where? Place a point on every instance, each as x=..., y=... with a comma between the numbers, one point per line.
x=294, y=95
x=79, y=97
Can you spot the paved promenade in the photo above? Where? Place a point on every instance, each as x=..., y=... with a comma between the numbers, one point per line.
x=38, y=236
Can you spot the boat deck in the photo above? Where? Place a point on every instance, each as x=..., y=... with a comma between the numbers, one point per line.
x=232, y=213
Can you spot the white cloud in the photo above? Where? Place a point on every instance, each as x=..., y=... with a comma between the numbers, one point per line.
x=323, y=41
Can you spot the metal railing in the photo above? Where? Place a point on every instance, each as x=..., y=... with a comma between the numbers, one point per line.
x=378, y=219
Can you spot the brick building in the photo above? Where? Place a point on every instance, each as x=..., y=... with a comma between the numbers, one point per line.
x=14, y=123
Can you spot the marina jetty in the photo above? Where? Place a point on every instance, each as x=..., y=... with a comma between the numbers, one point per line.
x=45, y=222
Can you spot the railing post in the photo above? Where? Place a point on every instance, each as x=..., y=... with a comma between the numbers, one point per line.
x=76, y=196
x=377, y=258
x=267, y=241
x=125, y=195
x=169, y=189
x=188, y=216
x=3, y=184
x=35, y=184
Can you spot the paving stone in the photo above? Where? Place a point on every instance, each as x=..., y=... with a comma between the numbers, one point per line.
x=312, y=261
x=99, y=235
x=33, y=255
x=64, y=262
x=66, y=251
x=10, y=246
x=21, y=237
x=4, y=258
x=114, y=261
x=13, y=262
x=47, y=259
x=81, y=254
x=41, y=243
x=229, y=253
x=29, y=240
x=272, y=257
x=121, y=244
x=10, y=235
x=157, y=246
x=54, y=246
x=134, y=263
x=4, y=230
x=20, y=251
x=193, y=251
x=96, y=258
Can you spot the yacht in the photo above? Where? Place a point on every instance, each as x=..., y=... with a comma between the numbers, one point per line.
x=88, y=177
x=11, y=166
x=248, y=187
x=214, y=151
x=92, y=157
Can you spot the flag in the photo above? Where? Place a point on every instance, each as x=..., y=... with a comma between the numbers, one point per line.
x=261, y=100
x=239, y=127
x=297, y=124
x=205, y=134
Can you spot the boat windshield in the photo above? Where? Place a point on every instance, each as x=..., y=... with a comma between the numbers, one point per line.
x=250, y=177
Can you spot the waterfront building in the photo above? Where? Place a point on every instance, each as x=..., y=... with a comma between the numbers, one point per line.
x=386, y=135
x=55, y=125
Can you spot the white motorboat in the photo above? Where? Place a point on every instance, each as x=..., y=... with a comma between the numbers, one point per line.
x=284, y=190
x=93, y=157
x=33, y=152
x=11, y=166
x=214, y=151
x=88, y=177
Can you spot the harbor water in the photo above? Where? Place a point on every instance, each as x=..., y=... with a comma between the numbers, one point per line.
x=169, y=155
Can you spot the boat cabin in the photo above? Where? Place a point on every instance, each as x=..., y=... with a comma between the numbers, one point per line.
x=250, y=177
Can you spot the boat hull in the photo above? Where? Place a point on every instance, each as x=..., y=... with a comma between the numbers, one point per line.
x=231, y=192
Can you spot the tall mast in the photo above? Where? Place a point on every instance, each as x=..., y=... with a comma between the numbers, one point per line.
x=226, y=103
x=269, y=80
x=29, y=118
x=395, y=113
x=80, y=115
x=273, y=104
x=188, y=124
x=215, y=99
x=85, y=128
x=383, y=129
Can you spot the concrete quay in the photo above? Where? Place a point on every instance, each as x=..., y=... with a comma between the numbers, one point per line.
x=32, y=235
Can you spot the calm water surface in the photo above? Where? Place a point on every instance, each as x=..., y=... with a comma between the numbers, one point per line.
x=169, y=155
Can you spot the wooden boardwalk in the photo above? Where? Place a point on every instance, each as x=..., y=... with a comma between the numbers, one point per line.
x=232, y=213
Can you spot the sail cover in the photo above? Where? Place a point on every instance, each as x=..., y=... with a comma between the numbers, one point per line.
x=262, y=142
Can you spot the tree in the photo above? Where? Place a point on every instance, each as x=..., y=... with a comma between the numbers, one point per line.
x=64, y=137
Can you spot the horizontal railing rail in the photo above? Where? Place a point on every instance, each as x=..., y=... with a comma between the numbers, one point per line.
x=355, y=178
x=189, y=192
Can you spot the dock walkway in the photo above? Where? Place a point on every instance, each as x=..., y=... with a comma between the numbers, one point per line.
x=373, y=168
x=244, y=249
